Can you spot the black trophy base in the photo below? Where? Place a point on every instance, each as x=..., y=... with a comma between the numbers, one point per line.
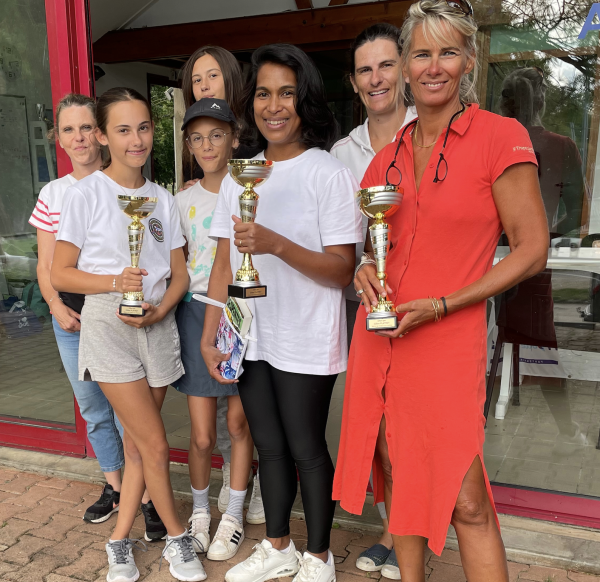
x=247, y=292
x=132, y=310
x=389, y=322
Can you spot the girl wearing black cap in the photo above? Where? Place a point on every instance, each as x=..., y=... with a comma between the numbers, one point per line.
x=209, y=128
x=212, y=72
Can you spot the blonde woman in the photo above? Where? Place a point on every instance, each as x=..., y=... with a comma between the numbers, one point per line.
x=414, y=396
x=75, y=118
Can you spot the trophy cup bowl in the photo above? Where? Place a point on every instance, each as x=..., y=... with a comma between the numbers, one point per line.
x=248, y=173
x=379, y=203
x=136, y=207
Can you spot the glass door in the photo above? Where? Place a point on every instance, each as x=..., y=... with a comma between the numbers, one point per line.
x=43, y=55
x=542, y=448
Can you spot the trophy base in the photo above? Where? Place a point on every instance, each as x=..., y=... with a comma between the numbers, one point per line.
x=251, y=290
x=381, y=321
x=132, y=309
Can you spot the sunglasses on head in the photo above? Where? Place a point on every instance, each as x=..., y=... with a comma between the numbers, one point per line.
x=460, y=7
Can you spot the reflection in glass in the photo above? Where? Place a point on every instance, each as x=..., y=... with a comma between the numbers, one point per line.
x=560, y=166
x=33, y=384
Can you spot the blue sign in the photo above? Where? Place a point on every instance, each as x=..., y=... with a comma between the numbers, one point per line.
x=589, y=21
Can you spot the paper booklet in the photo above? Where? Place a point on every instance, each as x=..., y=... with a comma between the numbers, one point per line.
x=232, y=334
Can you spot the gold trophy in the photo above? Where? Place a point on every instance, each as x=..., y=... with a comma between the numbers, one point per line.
x=136, y=207
x=378, y=203
x=248, y=173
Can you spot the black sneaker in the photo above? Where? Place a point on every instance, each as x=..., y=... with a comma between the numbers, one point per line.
x=155, y=528
x=104, y=507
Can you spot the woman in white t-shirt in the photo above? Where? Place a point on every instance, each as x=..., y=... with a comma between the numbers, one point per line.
x=133, y=359
x=375, y=77
x=210, y=129
x=303, y=245
x=75, y=122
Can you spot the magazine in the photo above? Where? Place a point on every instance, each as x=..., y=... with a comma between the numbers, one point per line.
x=232, y=333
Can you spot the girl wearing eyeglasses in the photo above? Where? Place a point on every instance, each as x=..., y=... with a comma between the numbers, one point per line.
x=210, y=129
x=415, y=395
x=212, y=72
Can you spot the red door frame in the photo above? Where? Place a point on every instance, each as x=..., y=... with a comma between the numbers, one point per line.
x=70, y=61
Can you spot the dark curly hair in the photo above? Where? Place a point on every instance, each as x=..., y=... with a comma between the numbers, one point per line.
x=319, y=128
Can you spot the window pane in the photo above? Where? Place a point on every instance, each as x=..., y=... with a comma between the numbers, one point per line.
x=33, y=383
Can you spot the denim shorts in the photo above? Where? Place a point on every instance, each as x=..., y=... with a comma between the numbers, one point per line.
x=113, y=352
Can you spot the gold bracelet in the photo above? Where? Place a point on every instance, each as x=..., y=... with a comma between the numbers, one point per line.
x=435, y=309
x=439, y=309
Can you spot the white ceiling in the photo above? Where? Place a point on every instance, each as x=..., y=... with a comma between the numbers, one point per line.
x=107, y=15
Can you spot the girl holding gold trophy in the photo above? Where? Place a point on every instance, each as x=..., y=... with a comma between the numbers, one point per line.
x=303, y=245
x=133, y=359
x=210, y=129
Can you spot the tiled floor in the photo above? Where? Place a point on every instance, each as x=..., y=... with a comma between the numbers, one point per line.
x=42, y=537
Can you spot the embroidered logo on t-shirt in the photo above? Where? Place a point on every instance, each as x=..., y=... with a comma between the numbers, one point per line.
x=156, y=229
x=522, y=148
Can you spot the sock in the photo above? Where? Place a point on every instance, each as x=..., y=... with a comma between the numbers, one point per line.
x=330, y=561
x=235, y=507
x=200, y=499
x=287, y=550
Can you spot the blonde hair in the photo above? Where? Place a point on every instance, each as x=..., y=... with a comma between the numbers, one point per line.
x=70, y=100
x=436, y=17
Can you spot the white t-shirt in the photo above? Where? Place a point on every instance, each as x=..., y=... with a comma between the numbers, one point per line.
x=196, y=206
x=92, y=220
x=46, y=213
x=301, y=325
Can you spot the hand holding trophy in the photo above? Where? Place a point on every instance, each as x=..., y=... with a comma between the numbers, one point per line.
x=378, y=203
x=248, y=173
x=136, y=207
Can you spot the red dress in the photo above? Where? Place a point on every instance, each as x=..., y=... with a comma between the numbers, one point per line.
x=443, y=238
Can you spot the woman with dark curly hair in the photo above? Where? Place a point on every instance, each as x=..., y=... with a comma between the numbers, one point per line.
x=303, y=242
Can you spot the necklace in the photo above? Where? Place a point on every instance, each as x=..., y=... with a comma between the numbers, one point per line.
x=421, y=145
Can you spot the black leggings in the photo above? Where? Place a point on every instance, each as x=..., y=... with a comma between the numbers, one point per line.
x=287, y=414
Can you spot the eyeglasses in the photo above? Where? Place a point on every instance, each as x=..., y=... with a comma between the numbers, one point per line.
x=216, y=138
x=442, y=164
x=460, y=7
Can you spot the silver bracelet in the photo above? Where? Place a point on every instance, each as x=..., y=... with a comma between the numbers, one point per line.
x=364, y=260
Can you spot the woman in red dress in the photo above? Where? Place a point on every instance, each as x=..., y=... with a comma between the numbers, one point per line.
x=413, y=408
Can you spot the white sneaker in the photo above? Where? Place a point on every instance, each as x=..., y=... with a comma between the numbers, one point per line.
x=121, y=565
x=224, y=493
x=265, y=563
x=256, y=511
x=314, y=570
x=184, y=563
x=227, y=540
x=200, y=528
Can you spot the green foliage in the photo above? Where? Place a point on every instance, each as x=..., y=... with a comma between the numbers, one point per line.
x=164, y=145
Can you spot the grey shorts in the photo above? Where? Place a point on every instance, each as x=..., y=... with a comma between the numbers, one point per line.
x=113, y=352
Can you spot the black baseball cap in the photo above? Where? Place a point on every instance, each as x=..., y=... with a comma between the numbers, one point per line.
x=209, y=107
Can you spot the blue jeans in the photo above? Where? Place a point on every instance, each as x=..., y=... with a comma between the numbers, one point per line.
x=103, y=427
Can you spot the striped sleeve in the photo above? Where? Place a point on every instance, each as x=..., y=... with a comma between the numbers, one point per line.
x=41, y=217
